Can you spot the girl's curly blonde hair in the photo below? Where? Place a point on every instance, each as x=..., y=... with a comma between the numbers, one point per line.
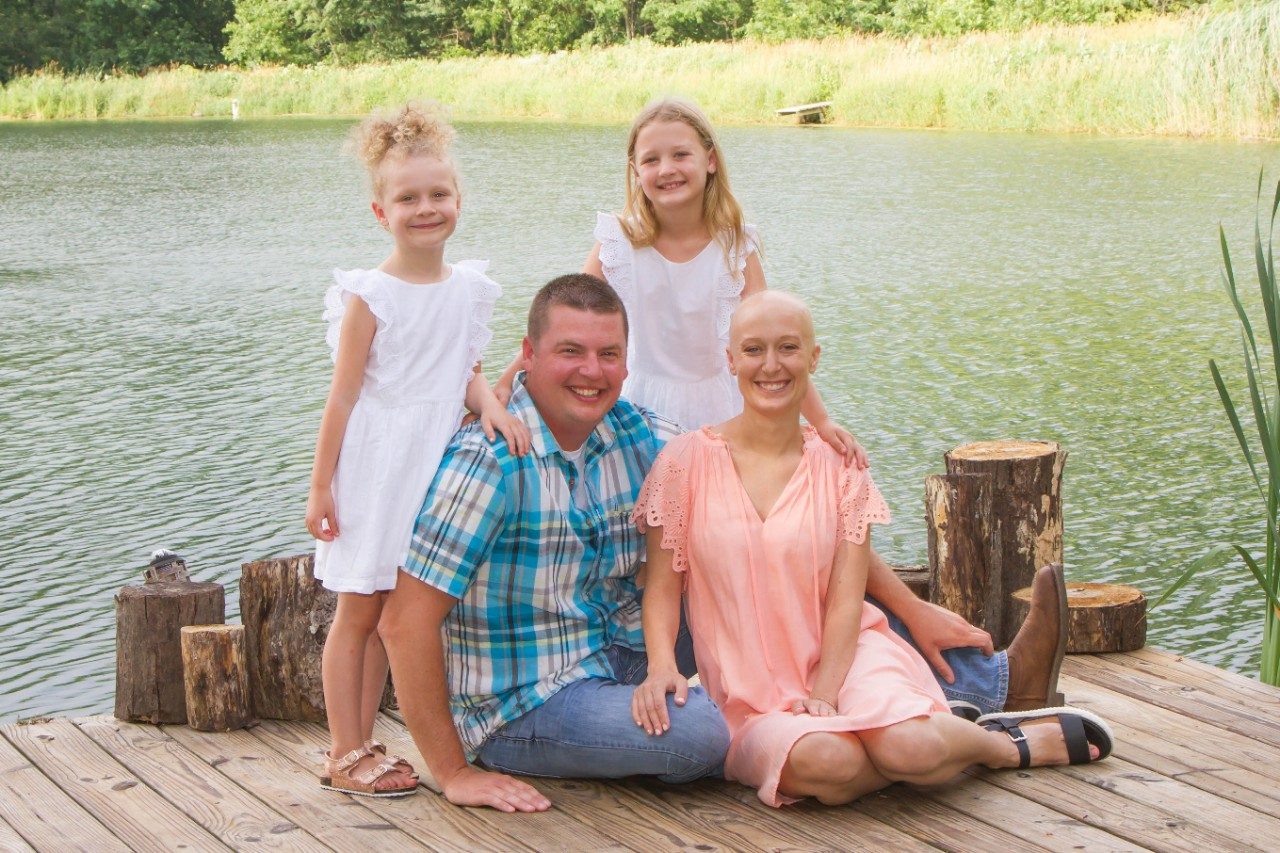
x=417, y=128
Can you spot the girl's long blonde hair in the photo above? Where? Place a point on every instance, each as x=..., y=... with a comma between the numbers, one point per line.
x=720, y=210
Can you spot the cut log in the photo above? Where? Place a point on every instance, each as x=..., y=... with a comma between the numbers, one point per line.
x=215, y=679
x=1026, y=506
x=1101, y=617
x=916, y=578
x=287, y=614
x=149, y=647
x=964, y=548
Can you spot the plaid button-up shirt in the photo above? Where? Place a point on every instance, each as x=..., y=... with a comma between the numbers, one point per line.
x=543, y=587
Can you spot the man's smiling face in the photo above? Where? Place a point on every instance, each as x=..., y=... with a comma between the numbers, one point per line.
x=575, y=370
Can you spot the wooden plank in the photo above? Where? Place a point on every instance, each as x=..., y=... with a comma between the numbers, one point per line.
x=1028, y=820
x=340, y=822
x=1181, y=698
x=737, y=816
x=1159, y=740
x=50, y=820
x=1231, y=686
x=11, y=841
x=434, y=819
x=208, y=798
x=133, y=812
x=1214, y=813
x=1151, y=827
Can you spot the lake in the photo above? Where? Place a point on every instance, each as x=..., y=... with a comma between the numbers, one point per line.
x=162, y=365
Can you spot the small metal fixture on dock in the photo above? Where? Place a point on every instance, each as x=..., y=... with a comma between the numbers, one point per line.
x=815, y=113
x=165, y=567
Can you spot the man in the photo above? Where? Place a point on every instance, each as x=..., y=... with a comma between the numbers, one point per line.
x=521, y=575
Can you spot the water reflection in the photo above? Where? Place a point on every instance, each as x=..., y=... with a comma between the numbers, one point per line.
x=162, y=366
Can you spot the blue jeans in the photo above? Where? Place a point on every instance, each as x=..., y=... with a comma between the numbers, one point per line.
x=981, y=680
x=586, y=731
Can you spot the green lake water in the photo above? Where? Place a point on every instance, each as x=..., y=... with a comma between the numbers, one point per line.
x=162, y=365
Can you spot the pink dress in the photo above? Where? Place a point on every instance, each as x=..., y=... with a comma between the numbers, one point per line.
x=755, y=593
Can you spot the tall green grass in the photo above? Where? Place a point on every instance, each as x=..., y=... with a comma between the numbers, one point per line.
x=1213, y=75
x=1261, y=350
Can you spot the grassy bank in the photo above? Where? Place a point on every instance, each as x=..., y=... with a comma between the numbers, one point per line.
x=1193, y=75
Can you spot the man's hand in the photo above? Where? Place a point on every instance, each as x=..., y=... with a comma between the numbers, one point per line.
x=649, y=702
x=936, y=629
x=472, y=786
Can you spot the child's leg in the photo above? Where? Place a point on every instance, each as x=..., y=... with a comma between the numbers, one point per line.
x=931, y=750
x=375, y=676
x=832, y=767
x=343, y=670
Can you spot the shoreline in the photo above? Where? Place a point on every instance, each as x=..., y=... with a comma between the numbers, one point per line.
x=1194, y=75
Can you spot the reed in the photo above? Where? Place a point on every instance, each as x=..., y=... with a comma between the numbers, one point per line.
x=1262, y=370
x=1196, y=74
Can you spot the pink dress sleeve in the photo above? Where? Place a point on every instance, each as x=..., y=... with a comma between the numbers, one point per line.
x=861, y=505
x=664, y=502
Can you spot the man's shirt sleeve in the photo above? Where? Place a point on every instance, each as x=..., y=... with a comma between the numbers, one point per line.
x=462, y=515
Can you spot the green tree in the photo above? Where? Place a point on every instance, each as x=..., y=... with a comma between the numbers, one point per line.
x=137, y=34
x=679, y=21
x=779, y=20
x=270, y=32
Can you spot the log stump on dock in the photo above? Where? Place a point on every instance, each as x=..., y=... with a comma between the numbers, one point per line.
x=149, y=686
x=964, y=548
x=287, y=614
x=215, y=679
x=1101, y=617
x=1026, y=511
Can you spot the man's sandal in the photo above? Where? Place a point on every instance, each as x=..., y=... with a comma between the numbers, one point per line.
x=379, y=748
x=338, y=776
x=1080, y=729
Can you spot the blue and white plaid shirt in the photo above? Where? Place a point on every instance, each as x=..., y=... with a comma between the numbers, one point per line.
x=543, y=586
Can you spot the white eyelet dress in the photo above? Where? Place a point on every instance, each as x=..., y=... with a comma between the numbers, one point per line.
x=679, y=317
x=429, y=338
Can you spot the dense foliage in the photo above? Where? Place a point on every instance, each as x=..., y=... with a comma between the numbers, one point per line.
x=132, y=35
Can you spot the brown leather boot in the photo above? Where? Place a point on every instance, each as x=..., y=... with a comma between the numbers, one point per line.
x=1035, y=655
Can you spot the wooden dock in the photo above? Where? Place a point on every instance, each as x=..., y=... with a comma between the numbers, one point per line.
x=1196, y=768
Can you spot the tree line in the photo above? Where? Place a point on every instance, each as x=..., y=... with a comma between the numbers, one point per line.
x=134, y=35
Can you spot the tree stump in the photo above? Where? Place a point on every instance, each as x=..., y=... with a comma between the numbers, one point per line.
x=286, y=615
x=1101, y=617
x=1026, y=509
x=916, y=578
x=215, y=679
x=964, y=548
x=149, y=649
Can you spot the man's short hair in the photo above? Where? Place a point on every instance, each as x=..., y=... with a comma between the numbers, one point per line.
x=579, y=291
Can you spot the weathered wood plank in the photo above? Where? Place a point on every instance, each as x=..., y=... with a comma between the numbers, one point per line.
x=1208, y=810
x=338, y=821
x=628, y=810
x=433, y=819
x=134, y=813
x=208, y=798
x=1160, y=740
x=1154, y=828
x=50, y=819
x=11, y=841
x=1185, y=699
x=1231, y=686
x=1028, y=820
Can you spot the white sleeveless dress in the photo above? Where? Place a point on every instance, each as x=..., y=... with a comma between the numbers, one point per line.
x=679, y=317
x=429, y=338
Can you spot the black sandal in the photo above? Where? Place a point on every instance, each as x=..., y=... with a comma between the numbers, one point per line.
x=1080, y=730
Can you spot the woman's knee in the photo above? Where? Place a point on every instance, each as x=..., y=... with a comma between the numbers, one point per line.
x=825, y=760
x=906, y=750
